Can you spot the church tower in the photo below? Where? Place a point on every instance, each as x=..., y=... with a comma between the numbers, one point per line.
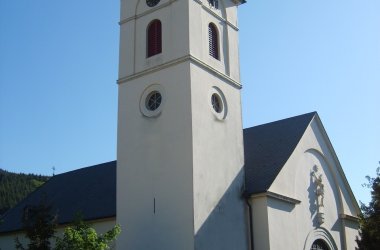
x=180, y=152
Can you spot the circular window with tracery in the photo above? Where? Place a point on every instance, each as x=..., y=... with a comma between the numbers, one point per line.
x=152, y=100
x=218, y=103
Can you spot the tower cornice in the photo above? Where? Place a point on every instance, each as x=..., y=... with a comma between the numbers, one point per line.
x=190, y=58
x=126, y=20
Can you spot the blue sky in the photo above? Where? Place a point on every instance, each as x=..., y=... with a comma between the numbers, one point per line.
x=59, y=62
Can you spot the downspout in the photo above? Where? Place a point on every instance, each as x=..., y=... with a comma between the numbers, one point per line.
x=250, y=224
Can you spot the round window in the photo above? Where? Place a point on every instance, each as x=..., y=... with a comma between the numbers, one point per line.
x=218, y=103
x=153, y=100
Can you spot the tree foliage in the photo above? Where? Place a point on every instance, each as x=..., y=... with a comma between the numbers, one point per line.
x=370, y=218
x=39, y=224
x=15, y=187
x=82, y=236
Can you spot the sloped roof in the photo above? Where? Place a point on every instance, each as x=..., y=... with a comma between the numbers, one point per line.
x=267, y=147
x=239, y=1
x=92, y=190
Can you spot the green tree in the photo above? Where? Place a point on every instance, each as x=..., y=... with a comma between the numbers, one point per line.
x=369, y=231
x=15, y=187
x=39, y=224
x=83, y=237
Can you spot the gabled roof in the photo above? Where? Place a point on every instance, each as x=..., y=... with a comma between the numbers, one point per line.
x=92, y=190
x=267, y=147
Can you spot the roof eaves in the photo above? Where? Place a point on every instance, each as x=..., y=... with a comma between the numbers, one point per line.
x=276, y=196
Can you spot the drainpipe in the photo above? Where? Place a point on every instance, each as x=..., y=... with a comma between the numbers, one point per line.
x=250, y=224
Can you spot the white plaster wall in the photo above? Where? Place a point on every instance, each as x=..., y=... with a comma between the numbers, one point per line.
x=348, y=206
x=126, y=49
x=295, y=181
x=218, y=161
x=227, y=10
x=260, y=222
x=234, y=58
x=282, y=226
x=226, y=16
x=179, y=19
x=154, y=157
x=351, y=234
x=154, y=161
x=132, y=8
x=187, y=161
x=7, y=241
x=175, y=35
x=305, y=191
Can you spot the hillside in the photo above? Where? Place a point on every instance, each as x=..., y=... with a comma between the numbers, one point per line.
x=14, y=187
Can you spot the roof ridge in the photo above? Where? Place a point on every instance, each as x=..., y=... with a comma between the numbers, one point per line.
x=83, y=168
x=313, y=113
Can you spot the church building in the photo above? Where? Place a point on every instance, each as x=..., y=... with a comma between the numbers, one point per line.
x=187, y=175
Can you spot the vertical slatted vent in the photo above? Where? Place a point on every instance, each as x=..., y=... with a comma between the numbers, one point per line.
x=154, y=42
x=213, y=41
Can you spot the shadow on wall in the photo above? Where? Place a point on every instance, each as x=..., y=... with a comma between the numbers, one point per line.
x=280, y=205
x=226, y=228
x=352, y=224
x=337, y=226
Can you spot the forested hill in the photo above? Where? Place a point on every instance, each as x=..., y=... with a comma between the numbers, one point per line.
x=15, y=187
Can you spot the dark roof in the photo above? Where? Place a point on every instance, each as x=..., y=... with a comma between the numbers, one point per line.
x=241, y=1
x=267, y=147
x=92, y=190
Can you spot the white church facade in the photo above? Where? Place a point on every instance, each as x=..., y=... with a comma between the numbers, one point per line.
x=187, y=176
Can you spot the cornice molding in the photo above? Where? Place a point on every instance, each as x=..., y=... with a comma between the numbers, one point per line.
x=216, y=15
x=349, y=217
x=126, y=20
x=146, y=12
x=190, y=58
x=277, y=197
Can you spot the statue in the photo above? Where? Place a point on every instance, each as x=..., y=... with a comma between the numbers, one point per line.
x=320, y=193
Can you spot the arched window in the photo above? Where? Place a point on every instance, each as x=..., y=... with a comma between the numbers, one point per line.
x=154, y=38
x=319, y=245
x=213, y=41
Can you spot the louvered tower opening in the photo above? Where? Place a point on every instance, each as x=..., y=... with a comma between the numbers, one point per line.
x=154, y=42
x=213, y=41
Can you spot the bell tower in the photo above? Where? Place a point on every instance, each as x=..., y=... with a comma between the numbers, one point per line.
x=180, y=157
